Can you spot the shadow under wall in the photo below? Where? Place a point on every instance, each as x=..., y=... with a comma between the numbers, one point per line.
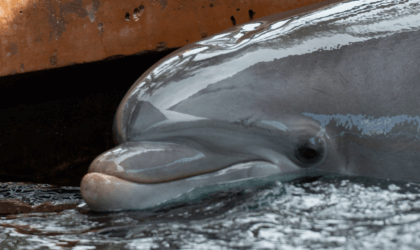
x=53, y=123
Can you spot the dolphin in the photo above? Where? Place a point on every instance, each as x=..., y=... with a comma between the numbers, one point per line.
x=329, y=89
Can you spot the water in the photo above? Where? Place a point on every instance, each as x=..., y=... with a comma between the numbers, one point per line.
x=323, y=213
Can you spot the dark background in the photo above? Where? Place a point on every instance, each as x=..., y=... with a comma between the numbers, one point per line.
x=53, y=123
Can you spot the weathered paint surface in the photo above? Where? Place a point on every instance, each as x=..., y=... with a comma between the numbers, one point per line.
x=42, y=34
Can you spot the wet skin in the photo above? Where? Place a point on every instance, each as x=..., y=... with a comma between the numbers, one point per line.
x=331, y=89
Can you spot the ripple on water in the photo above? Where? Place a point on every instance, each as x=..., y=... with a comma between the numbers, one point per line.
x=325, y=213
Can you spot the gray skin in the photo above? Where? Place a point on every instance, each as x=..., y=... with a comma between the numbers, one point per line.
x=325, y=89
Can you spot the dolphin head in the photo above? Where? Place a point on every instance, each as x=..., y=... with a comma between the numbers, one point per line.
x=326, y=91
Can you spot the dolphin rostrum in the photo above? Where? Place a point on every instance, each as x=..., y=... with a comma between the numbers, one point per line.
x=334, y=88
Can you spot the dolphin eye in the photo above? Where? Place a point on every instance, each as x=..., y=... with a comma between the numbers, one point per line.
x=310, y=152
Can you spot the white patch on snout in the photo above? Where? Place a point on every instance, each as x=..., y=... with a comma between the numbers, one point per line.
x=120, y=169
x=182, y=160
x=120, y=154
x=276, y=124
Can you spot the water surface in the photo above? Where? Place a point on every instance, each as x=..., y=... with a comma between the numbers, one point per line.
x=317, y=213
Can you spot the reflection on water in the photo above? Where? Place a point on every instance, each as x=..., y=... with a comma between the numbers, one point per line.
x=325, y=213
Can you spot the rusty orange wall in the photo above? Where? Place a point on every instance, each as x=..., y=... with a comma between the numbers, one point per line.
x=42, y=34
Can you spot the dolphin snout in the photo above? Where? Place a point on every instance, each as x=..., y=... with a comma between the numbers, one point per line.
x=104, y=192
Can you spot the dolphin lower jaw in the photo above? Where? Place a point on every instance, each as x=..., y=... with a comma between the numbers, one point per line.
x=105, y=192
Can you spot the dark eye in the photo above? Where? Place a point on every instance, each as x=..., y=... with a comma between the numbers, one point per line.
x=310, y=152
